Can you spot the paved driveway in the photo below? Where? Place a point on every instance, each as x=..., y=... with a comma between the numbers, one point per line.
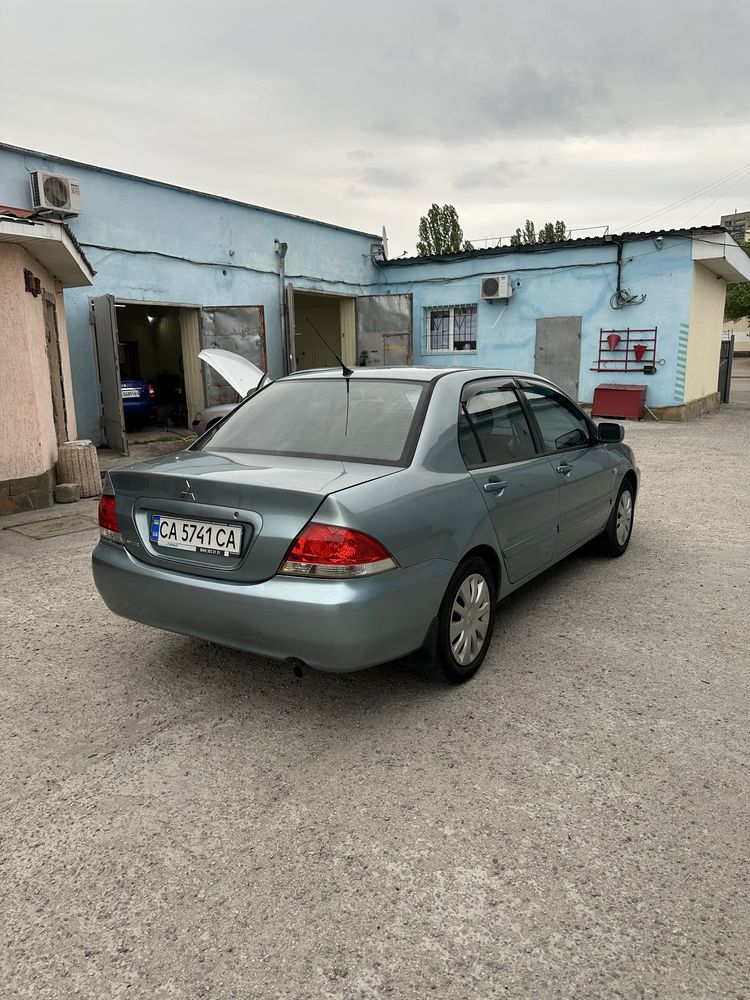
x=180, y=820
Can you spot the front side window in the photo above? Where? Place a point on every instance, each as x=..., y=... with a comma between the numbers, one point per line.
x=452, y=328
x=561, y=423
x=373, y=420
x=492, y=428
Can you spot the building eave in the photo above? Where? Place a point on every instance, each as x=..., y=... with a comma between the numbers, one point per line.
x=53, y=245
x=719, y=253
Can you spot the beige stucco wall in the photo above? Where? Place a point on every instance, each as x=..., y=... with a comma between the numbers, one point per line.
x=704, y=337
x=28, y=444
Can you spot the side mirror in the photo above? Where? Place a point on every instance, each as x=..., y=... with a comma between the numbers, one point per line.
x=611, y=433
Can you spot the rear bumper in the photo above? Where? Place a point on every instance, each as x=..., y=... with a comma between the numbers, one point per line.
x=139, y=407
x=332, y=625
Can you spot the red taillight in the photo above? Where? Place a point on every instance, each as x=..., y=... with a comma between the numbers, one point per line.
x=151, y=390
x=331, y=551
x=108, y=526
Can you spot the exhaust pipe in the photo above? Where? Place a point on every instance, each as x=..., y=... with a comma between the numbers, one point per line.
x=296, y=666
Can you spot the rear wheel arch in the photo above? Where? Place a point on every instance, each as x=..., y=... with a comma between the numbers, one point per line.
x=467, y=614
x=491, y=557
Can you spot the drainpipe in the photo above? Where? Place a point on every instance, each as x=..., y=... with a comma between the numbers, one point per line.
x=289, y=365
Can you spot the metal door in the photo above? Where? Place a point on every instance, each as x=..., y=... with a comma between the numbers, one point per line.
x=104, y=321
x=725, y=368
x=384, y=330
x=558, y=351
x=240, y=329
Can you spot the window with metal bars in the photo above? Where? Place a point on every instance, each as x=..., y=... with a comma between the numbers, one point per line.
x=451, y=328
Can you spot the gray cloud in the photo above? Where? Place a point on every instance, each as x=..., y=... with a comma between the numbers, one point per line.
x=387, y=178
x=496, y=175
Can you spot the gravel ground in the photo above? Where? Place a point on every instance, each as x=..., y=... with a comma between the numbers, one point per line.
x=184, y=821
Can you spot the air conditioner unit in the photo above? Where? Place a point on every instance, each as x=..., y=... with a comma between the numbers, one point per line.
x=496, y=286
x=55, y=194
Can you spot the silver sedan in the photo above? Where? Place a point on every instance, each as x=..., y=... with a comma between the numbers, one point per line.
x=346, y=518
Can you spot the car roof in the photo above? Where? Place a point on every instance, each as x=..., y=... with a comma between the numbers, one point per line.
x=409, y=372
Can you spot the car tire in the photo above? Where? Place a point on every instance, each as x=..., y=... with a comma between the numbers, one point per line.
x=615, y=538
x=459, y=653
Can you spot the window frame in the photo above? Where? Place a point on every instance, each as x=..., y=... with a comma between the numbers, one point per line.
x=479, y=385
x=523, y=383
x=451, y=308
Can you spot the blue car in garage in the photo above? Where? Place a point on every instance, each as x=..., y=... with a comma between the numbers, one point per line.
x=138, y=402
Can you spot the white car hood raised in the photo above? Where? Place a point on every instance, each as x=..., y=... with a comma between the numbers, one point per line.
x=241, y=374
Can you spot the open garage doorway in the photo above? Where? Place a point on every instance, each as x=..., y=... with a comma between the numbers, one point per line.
x=148, y=352
x=333, y=318
x=363, y=330
x=152, y=344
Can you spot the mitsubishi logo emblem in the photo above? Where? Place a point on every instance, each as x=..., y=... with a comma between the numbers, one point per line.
x=187, y=493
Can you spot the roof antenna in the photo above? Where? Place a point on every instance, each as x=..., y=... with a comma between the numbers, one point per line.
x=346, y=371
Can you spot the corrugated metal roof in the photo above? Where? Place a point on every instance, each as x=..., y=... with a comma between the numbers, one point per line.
x=586, y=241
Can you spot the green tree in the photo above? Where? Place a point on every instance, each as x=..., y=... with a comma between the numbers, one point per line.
x=738, y=296
x=525, y=236
x=440, y=232
x=550, y=232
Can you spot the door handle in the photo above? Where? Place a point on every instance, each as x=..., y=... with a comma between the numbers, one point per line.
x=495, y=486
x=564, y=468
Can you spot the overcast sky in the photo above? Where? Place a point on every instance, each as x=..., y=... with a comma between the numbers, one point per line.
x=363, y=114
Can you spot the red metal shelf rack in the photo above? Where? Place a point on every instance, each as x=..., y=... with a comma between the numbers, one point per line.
x=622, y=356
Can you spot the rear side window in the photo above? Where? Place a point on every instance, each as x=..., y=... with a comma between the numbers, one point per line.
x=373, y=420
x=492, y=428
x=561, y=423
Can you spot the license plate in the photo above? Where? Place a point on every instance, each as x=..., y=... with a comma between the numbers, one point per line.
x=131, y=394
x=207, y=537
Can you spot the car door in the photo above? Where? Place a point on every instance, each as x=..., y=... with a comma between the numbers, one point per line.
x=518, y=483
x=584, y=468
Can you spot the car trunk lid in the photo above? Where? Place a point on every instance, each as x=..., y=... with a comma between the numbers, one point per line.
x=269, y=498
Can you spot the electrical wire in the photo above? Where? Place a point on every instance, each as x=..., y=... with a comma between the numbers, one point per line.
x=745, y=167
x=216, y=263
x=722, y=195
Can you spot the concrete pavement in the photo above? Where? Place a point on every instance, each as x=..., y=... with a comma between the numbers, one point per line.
x=179, y=820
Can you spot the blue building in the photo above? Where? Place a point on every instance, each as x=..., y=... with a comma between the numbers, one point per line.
x=178, y=270
x=643, y=308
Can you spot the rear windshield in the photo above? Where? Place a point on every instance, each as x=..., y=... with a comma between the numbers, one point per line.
x=375, y=421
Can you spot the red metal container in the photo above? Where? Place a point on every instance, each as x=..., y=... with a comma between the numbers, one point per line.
x=626, y=402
